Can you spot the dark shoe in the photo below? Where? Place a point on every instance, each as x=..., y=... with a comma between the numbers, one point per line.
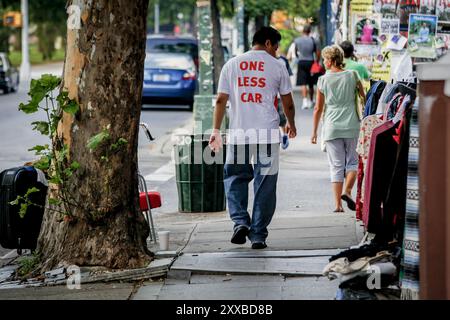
x=259, y=245
x=339, y=210
x=239, y=235
x=350, y=203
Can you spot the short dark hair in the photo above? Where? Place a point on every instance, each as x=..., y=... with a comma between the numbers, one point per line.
x=307, y=28
x=264, y=34
x=348, y=48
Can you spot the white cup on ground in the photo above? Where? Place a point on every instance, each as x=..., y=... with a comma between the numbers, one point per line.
x=163, y=237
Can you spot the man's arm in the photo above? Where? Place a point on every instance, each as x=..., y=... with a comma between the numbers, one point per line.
x=289, y=110
x=215, y=141
x=219, y=110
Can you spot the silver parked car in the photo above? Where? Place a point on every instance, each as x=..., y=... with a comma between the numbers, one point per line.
x=9, y=76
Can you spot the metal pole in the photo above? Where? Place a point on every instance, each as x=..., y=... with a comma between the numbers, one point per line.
x=157, y=17
x=345, y=20
x=239, y=14
x=25, y=68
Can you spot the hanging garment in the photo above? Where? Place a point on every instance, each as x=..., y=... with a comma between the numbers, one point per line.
x=385, y=184
x=359, y=188
x=373, y=96
x=382, y=103
x=410, y=261
x=368, y=124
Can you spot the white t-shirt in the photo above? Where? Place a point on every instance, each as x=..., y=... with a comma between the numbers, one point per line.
x=253, y=80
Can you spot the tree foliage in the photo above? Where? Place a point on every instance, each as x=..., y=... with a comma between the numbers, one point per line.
x=5, y=32
x=50, y=17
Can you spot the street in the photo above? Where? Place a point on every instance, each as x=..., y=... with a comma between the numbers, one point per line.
x=17, y=137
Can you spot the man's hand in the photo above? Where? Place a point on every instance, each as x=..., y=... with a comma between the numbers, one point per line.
x=215, y=141
x=314, y=138
x=291, y=130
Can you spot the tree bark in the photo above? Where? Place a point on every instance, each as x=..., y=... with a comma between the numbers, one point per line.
x=246, y=22
x=259, y=22
x=218, y=56
x=103, y=72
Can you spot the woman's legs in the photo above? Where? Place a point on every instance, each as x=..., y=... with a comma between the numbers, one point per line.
x=336, y=160
x=350, y=180
x=351, y=164
x=337, y=192
x=351, y=167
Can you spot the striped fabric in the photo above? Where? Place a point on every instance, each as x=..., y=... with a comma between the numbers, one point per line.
x=410, y=261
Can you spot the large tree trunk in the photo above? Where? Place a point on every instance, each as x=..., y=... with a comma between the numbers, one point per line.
x=246, y=22
x=218, y=56
x=103, y=72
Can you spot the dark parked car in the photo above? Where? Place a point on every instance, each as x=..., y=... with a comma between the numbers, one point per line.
x=178, y=44
x=169, y=77
x=173, y=44
x=9, y=76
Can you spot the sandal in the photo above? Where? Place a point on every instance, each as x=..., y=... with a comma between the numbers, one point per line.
x=350, y=203
x=339, y=210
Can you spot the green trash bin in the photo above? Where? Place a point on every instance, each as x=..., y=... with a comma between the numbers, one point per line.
x=199, y=175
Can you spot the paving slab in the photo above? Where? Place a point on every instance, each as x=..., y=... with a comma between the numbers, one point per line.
x=149, y=291
x=251, y=287
x=285, y=233
x=116, y=291
x=216, y=263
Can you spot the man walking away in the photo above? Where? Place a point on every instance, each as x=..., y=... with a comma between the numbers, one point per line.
x=351, y=62
x=252, y=82
x=305, y=47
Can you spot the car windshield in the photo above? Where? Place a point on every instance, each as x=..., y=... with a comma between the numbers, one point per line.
x=167, y=61
x=175, y=46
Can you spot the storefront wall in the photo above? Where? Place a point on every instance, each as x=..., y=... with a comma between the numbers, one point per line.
x=434, y=93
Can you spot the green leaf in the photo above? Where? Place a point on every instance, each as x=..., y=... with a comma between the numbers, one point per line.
x=56, y=180
x=15, y=202
x=41, y=126
x=54, y=202
x=37, y=92
x=43, y=163
x=96, y=140
x=49, y=82
x=62, y=97
x=70, y=107
x=23, y=210
x=74, y=166
x=121, y=142
x=30, y=191
x=68, y=173
x=54, y=122
x=39, y=149
x=31, y=107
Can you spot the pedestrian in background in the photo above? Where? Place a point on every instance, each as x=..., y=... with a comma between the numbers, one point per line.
x=336, y=93
x=279, y=107
x=252, y=82
x=351, y=61
x=307, y=50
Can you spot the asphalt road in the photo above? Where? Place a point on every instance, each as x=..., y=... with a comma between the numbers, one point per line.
x=17, y=136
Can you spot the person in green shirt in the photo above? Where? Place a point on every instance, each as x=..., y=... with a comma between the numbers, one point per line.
x=336, y=93
x=351, y=63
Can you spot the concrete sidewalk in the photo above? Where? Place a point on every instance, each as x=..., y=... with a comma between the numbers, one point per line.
x=303, y=234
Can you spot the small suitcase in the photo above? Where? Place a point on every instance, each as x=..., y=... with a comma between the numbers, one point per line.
x=16, y=232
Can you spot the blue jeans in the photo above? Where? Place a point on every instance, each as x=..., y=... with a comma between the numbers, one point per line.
x=239, y=171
